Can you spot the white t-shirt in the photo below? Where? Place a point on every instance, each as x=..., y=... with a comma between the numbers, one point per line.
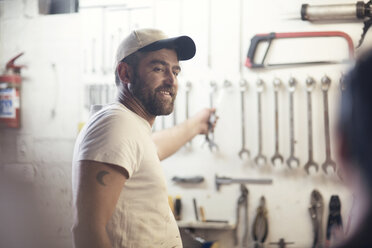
x=142, y=217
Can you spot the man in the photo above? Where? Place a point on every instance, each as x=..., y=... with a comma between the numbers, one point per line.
x=119, y=190
x=355, y=149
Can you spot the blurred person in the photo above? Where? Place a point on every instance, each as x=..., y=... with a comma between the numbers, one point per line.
x=120, y=196
x=355, y=149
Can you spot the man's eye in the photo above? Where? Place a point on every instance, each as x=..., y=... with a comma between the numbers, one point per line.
x=176, y=73
x=158, y=69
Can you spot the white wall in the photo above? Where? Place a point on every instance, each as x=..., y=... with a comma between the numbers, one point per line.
x=59, y=54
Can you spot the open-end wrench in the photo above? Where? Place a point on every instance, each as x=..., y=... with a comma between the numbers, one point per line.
x=325, y=83
x=243, y=87
x=310, y=84
x=260, y=159
x=188, y=89
x=209, y=137
x=277, y=156
x=175, y=114
x=292, y=160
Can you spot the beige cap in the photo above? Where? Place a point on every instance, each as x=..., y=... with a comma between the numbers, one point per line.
x=152, y=40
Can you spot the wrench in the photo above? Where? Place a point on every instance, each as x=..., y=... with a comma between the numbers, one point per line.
x=243, y=87
x=188, y=89
x=292, y=159
x=260, y=159
x=209, y=136
x=277, y=156
x=326, y=82
x=310, y=84
x=174, y=114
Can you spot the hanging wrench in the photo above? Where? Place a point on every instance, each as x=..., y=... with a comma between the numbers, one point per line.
x=292, y=159
x=326, y=82
x=243, y=88
x=175, y=114
x=260, y=159
x=188, y=88
x=209, y=137
x=277, y=156
x=310, y=84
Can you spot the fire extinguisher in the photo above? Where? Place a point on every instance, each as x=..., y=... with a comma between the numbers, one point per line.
x=10, y=89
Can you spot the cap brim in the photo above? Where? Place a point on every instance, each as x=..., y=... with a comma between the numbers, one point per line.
x=184, y=45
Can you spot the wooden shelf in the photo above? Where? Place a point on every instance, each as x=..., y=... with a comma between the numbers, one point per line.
x=205, y=225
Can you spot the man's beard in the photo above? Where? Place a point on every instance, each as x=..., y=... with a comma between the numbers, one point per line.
x=151, y=99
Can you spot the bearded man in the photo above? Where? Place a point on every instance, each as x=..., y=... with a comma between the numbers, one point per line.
x=120, y=195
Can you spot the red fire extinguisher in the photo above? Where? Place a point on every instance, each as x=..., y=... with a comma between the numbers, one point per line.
x=10, y=87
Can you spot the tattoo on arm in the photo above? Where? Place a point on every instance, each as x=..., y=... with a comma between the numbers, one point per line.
x=100, y=176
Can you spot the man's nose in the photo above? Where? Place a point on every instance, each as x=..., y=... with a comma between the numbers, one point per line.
x=170, y=77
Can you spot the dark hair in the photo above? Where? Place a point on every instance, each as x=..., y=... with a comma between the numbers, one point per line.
x=355, y=118
x=132, y=60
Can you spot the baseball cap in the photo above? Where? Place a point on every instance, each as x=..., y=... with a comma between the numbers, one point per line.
x=152, y=40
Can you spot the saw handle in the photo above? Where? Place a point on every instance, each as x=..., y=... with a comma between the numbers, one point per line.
x=253, y=47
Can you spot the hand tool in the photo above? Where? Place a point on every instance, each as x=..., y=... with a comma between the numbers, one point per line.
x=260, y=159
x=316, y=214
x=187, y=97
x=188, y=89
x=190, y=180
x=174, y=114
x=358, y=11
x=209, y=137
x=217, y=221
x=177, y=208
x=310, y=84
x=325, y=83
x=334, y=223
x=251, y=60
x=243, y=88
x=202, y=214
x=260, y=224
x=195, y=209
x=277, y=156
x=228, y=180
x=281, y=243
x=292, y=160
x=242, y=205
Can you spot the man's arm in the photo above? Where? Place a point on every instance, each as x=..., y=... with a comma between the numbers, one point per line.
x=96, y=191
x=168, y=141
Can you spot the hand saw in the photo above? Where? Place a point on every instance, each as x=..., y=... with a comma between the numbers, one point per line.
x=251, y=63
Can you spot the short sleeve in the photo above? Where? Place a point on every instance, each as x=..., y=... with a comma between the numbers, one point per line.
x=112, y=139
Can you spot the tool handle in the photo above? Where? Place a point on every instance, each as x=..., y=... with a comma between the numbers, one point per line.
x=253, y=47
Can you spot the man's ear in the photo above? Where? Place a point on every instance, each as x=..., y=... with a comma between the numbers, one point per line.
x=125, y=72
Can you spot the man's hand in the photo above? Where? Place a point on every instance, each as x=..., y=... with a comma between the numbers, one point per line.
x=203, y=119
x=168, y=141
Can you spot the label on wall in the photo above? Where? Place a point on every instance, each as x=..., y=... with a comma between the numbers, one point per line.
x=8, y=103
